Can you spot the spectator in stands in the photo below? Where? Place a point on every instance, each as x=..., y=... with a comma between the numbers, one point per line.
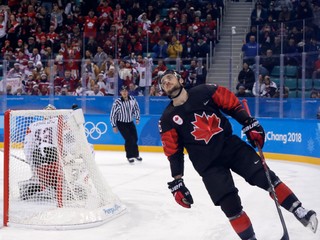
x=107, y=65
x=161, y=67
x=118, y=16
x=135, y=46
x=189, y=51
x=19, y=92
x=269, y=61
x=43, y=18
x=295, y=34
x=168, y=34
x=268, y=87
x=242, y=92
x=276, y=48
x=21, y=57
x=122, y=48
x=314, y=94
x=144, y=72
x=180, y=34
x=153, y=91
x=209, y=36
x=258, y=15
x=250, y=50
x=14, y=29
x=211, y=8
x=262, y=70
x=272, y=12
x=15, y=71
x=95, y=91
x=146, y=23
x=125, y=72
x=64, y=91
x=90, y=25
x=69, y=81
x=35, y=56
x=110, y=83
x=256, y=89
x=101, y=81
x=35, y=91
x=3, y=24
x=100, y=57
x=304, y=11
x=135, y=10
x=253, y=32
x=285, y=15
x=201, y=73
x=88, y=55
x=91, y=69
x=133, y=89
x=285, y=92
x=91, y=46
x=160, y=50
x=54, y=38
x=246, y=77
x=130, y=23
x=291, y=52
x=29, y=68
x=169, y=22
x=56, y=17
x=202, y=48
x=279, y=4
x=174, y=50
x=151, y=12
x=266, y=39
x=191, y=79
x=9, y=90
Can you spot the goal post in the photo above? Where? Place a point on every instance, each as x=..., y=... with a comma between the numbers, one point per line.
x=51, y=180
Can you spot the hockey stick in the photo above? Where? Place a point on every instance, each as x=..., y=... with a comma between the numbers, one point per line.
x=272, y=191
x=16, y=157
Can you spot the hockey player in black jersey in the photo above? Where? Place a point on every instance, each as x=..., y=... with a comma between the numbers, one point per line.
x=195, y=120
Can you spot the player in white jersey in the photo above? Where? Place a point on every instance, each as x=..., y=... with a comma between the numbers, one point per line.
x=51, y=151
x=40, y=148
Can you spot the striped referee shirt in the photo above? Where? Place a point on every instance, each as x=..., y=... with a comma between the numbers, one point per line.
x=124, y=110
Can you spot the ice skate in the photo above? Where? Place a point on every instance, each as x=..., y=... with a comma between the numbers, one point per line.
x=131, y=160
x=139, y=159
x=307, y=217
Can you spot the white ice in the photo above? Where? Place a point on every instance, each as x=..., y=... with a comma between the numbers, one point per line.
x=152, y=213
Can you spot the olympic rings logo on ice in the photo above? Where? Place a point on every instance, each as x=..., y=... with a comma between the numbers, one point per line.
x=95, y=131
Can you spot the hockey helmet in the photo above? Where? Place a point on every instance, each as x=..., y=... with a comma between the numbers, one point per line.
x=50, y=107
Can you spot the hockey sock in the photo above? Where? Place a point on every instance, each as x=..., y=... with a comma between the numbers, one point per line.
x=242, y=226
x=286, y=198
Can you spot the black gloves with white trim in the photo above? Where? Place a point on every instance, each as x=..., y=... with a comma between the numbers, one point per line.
x=254, y=132
x=180, y=193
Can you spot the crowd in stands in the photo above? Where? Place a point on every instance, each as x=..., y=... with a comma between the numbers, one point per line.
x=92, y=48
x=282, y=27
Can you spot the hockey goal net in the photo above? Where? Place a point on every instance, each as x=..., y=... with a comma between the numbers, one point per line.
x=51, y=179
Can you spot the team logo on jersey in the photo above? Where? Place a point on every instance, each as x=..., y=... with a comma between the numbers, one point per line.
x=177, y=119
x=205, y=127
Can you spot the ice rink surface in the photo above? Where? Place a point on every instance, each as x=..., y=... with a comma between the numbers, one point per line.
x=152, y=213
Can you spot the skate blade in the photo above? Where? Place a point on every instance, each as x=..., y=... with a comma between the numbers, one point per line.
x=313, y=223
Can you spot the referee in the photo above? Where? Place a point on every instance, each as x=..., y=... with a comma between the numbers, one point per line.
x=124, y=111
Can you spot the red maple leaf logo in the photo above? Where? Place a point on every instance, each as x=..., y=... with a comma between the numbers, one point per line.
x=206, y=126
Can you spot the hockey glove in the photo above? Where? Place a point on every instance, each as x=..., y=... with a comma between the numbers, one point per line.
x=180, y=193
x=254, y=132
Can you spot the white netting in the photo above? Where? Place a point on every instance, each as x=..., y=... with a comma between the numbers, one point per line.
x=53, y=179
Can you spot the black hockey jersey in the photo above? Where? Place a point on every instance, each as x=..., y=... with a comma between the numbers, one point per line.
x=200, y=126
